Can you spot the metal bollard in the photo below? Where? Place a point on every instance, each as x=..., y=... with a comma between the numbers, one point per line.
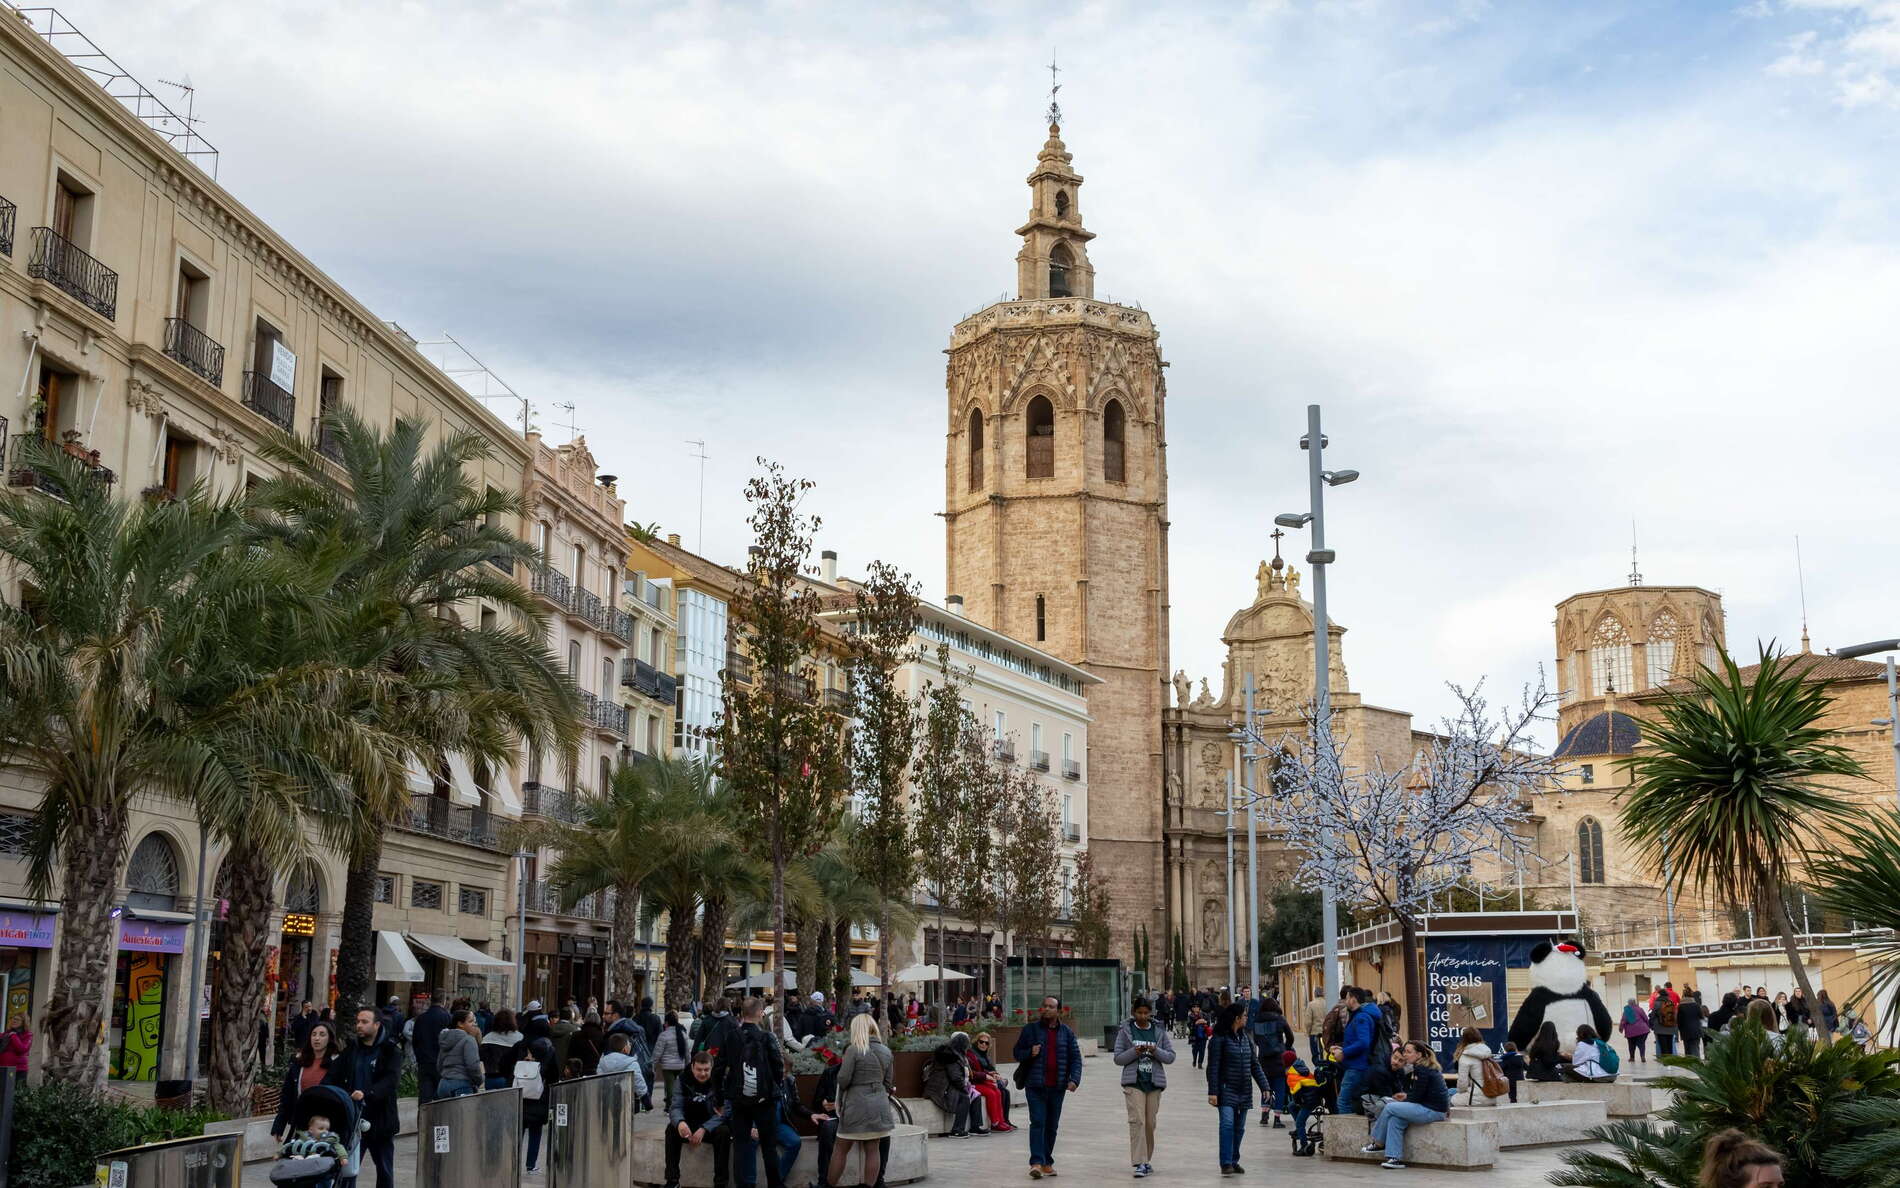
x=472, y=1140
x=589, y=1138
x=210, y=1161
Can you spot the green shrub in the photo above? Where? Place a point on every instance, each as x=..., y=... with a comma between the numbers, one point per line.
x=1807, y=1100
x=58, y=1131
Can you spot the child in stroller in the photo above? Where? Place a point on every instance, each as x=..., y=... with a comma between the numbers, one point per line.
x=326, y=1134
x=1314, y=1095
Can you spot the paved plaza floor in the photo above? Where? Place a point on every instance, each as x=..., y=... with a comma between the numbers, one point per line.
x=1092, y=1149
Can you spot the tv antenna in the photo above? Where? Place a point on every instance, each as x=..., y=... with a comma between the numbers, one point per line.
x=573, y=429
x=1801, y=581
x=460, y=364
x=1636, y=576
x=702, y=455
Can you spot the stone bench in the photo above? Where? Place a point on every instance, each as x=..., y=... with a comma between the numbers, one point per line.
x=910, y=1160
x=927, y=1116
x=1536, y=1124
x=1457, y=1142
x=1622, y=1099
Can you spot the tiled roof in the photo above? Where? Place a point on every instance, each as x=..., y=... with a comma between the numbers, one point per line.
x=1609, y=733
x=1815, y=666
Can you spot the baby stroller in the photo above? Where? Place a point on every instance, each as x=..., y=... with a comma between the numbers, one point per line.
x=1310, y=1108
x=321, y=1171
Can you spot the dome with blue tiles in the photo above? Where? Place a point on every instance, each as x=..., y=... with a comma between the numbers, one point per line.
x=1609, y=733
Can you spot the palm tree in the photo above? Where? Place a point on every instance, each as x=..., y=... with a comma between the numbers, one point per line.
x=118, y=677
x=1863, y=884
x=406, y=541
x=695, y=876
x=1729, y=791
x=850, y=898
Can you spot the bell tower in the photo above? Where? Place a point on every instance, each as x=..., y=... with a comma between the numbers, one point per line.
x=1055, y=513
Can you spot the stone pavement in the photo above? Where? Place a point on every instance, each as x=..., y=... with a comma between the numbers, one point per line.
x=1092, y=1149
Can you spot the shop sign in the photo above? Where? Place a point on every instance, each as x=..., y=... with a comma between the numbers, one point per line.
x=1464, y=987
x=299, y=924
x=26, y=930
x=151, y=936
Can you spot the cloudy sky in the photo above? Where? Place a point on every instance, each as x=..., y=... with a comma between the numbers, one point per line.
x=1550, y=268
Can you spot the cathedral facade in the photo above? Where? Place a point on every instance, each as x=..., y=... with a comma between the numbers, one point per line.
x=1055, y=515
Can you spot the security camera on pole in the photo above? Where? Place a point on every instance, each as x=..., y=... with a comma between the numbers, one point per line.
x=1318, y=479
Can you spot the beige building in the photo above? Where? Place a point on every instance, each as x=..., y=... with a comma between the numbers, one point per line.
x=1055, y=511
x=648, y=687
x=152, y=324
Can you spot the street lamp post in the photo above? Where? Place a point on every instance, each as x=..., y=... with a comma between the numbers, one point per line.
x=1892, y=722
x=1317, y=480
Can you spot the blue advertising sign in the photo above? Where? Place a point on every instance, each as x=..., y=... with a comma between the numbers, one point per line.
x=1464, y=987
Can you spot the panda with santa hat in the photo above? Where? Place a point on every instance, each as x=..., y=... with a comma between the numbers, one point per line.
x=1560, y=994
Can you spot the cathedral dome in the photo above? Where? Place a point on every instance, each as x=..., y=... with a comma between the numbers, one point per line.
x=1609, y=733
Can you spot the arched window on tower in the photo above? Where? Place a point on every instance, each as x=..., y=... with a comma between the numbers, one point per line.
x=1114, y=443
x=1609, y=657
x=1590, y=851
x=1061, y=263
x=1042, y=621
x=976, y=449
x=1664, y=630
x=1039, y=430
x=1062, y=204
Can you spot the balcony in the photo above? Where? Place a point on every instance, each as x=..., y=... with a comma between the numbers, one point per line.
x=648, y=681
x=1072, y=832
x=269, y=401
x=59, y=262
x=617, y=623
x=584, y=606
x=543, y=800
x=609, y=718
x=738, y=668
x=194, y=348
x=24, y=471
x=464, y=823
x=545, y=897
x=1071, y=769
x=1039, y=760
x=1003, y=750
x=8, y=214
x=550, y=587
x=838, y=700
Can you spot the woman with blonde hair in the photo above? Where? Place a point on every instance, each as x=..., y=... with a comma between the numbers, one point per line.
x=1731, y=1159
x=866, y=1080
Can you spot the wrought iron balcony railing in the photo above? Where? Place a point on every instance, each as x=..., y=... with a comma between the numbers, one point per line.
x=195, y=349
x=1039, y=760
x=269, y=401
x=648, y=681
x=1003, y=750
x=838, y=700
x=610, y=717
x=23, y=470
x=585, y=606
x=738, y=667
x=9, y=213
x=467, y=823
x=1071, y=769
x=550, y=586
x=59, y=262
x=328, y=443
x=1072, y=832
x=542, y=800
x=545, y=897
x=617, y=623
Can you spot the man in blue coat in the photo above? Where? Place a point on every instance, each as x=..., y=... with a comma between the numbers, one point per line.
x=1361, y=1050
x=1054, y=1062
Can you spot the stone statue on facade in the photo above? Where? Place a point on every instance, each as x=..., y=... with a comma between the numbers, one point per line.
x=1183, y=688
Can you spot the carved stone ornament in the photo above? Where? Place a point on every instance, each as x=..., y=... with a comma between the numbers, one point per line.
x=1211, y=926
x=1183, y=688
x=141, y=396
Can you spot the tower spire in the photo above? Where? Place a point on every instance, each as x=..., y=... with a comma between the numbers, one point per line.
x=1054, y=260
x=1055, y=109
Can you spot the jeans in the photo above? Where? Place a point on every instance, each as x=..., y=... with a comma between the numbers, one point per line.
x=746, y=1117
x=1390, y=1126
x=827, y=1139
x=534, y=1142
x=721, y=1143
x=452, y=1087
x=748, y=1149
x=1665, y=1044
x=1200, y=1052
x=1299, y=1124
x=1691, y=1043
x=498, y=1082
x=1045, y=1117
x=1233, y=1128
x=1349, y=1084
x=1312, y=1047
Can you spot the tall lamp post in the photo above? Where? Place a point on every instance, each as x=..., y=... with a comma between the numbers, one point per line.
x=1892, y=720
x=1317, y=480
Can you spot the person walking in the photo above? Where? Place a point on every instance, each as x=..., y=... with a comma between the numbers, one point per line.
x=1272, y=1037
x=425, y=1042
x=1830, y=1015
x=751, y=1072
x=1313, y=1019
x=1634, y=1026
x=1689, y=1019
x=1422, y=1098
x=866, y=1080
x=307, y=1070
x=1055, y=1068
x=534, y=1110
x=1198, y=1031
x=563, y=1032
x=670, y=1054
x=1233, y=1069
x=1144, y=1050
x=1361, y=1048
x=370, y=1071
x=501, y=1047
x=458, y=1056
x=1664, y=1015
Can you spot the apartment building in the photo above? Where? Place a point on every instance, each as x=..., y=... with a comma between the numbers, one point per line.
x=649, y=686
x=155, y=327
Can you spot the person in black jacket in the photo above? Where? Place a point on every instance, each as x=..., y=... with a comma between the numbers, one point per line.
x=750, y=1071
x=696, y=1115
x=1689, y=1019
x=1272, y=1036
x=824, y=1120
x=1233, y=1069
x=1422, y=1098
x=425, y=1041
x=1545, y=1057
x=369, y=1071
x=534, y=1110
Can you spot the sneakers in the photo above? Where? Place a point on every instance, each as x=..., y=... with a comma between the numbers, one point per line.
x=1238, y=1170
x=1035, y=1173
x=1049, y=1170
x=1228, y=1169
x=1371, y=1148
x=1392, y=1165
x=1144, y=1170
x=1277, y=1123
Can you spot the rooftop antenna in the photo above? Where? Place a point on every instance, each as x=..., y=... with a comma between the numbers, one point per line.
x=467, y=368
x=1055, y=109
x=573, y=429
x=702, y=455
x=1801, y=582
x=1636, y=576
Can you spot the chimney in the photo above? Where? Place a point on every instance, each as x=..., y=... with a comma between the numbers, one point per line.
x=673, y=538
x=954, y=604
x=828, y=566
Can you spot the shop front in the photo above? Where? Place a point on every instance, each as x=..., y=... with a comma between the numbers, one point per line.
x=25, y=937
x=149, y=952
x=398, y=973
x=460, y=968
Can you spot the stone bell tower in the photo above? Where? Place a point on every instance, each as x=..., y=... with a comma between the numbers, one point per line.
x=1055, y=515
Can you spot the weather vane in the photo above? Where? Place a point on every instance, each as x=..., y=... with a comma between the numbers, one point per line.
x=1055, y=109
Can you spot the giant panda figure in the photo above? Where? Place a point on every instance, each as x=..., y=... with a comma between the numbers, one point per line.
x=1560, y=994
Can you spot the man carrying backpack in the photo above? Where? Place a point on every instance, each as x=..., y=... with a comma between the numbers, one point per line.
x=750, y=1071
x=1364, y=1048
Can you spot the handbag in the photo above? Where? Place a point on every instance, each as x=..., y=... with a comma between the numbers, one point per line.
x=1492, y=1079
x=1021, y=1076
x=528, y=1079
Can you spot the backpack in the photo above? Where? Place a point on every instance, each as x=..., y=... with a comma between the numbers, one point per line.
x=1607, y=1057
x=755, y=1068
x=1666, y=1011
x=528, y=1079
x=1383, y=1041
x=1491, y=1078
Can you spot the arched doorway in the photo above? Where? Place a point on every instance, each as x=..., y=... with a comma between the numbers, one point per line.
x=300, y=977
x=149, y=946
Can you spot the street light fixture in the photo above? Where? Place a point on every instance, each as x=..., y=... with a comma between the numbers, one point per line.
x=1317, y=480
x=1889, y=646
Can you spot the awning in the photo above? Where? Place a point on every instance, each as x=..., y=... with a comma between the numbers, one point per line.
x=502, y=791
x=451, y=949
x=394, y=961
x=462, y=781
x=420, y=782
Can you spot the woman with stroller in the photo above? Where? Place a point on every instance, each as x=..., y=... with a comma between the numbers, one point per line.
x=306, y=1071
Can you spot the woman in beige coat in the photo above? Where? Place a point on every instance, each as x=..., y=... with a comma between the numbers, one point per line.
x=866, y=1078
